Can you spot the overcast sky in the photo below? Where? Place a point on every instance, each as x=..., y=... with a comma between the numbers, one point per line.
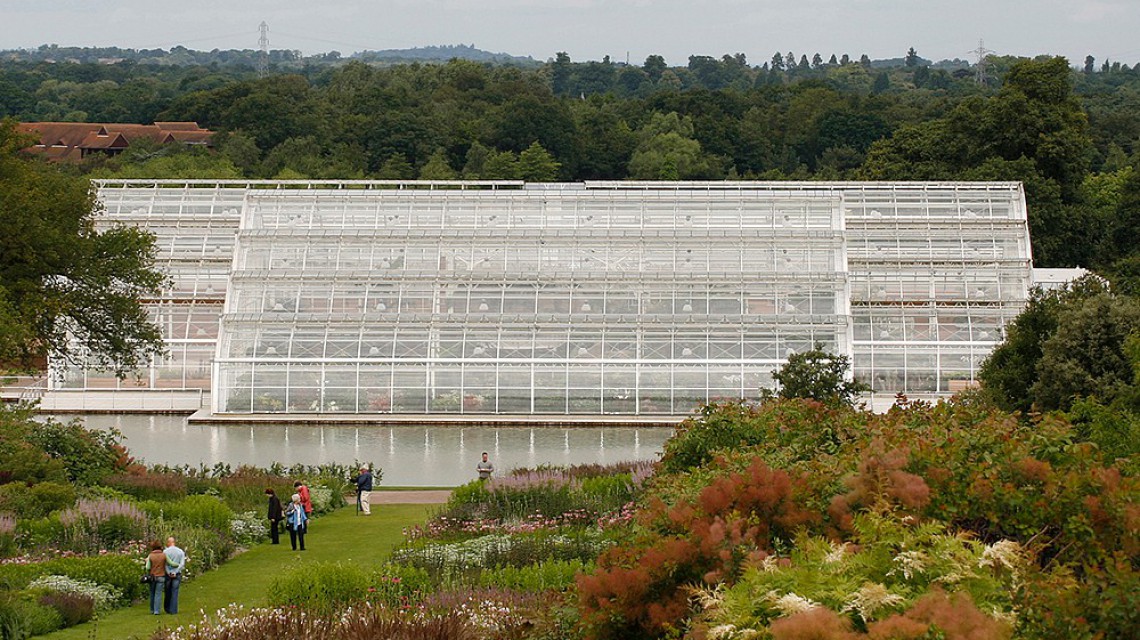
x=591, y=29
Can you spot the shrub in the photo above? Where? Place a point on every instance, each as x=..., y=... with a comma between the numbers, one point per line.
x=200, y=511
x=359, y=623
x=737, y=425
x=717, y=509
x=399, y=586
x=554, y=496
x=886, y=568
x=149, y=485
x=548, y=574
x=73, y=608
x=24, y=462
x=1099, y=601
x=88, y=455
x=102, y=596
x=205, y=548
x=45, y=533
x=323, y=588
x=100, y=524
x=117, y=571
x=21, y=617
x=249, y=528
x=461, y=562
x=244, y=489
x=7, y=535
x=36, y=501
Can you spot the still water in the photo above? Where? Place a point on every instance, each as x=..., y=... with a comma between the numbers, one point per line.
x=408, y=455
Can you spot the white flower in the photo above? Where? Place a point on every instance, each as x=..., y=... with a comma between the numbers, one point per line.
x=722, y=632
x=790, y=603
x=708, y=598
x=870, y=598
x=104, y=595
x=838, y=550
x=909, y=564
x=1003, y=553
x=950, y=578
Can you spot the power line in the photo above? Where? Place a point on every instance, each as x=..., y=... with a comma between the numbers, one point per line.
x=362, y=47
x=168, y=45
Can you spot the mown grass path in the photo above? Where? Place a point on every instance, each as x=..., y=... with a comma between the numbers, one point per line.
x=339, y=536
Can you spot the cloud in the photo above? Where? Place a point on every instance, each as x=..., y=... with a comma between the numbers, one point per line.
x=1096, y=10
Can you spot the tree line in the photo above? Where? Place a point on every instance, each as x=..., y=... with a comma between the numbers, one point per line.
x=1068, y=133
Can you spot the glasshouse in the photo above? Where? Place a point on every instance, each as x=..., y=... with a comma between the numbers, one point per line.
x=620, y=298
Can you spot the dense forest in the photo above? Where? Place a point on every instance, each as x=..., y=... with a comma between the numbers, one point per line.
x=1069, y=133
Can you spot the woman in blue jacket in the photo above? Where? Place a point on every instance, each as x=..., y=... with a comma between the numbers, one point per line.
x=296, y=521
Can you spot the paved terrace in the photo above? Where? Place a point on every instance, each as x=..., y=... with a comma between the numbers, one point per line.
x=204, y=417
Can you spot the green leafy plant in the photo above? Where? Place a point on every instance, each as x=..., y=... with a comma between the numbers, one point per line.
x=21, y=617
x=36, y=501
x=821, y=376
x=323, y=588
x=117, y=571
x=199, y=511
x=882, y=571
x=73, y=608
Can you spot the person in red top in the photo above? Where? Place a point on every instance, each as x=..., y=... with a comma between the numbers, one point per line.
x=306, y=499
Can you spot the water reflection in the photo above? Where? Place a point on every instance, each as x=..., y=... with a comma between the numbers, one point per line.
x=409, y=456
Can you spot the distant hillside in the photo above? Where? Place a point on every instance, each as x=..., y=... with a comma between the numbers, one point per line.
x=895, y=63
x=278, y=58
x=443, y=54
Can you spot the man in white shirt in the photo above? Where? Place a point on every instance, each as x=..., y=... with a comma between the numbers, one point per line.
x=175, y=562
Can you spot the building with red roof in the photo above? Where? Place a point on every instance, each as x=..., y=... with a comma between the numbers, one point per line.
x=73, y=141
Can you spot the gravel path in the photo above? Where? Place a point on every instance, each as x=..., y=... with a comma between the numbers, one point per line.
x=409, y=497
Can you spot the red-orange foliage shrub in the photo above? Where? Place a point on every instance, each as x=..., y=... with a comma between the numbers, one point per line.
x=817, y=623
x=638, y=591
x=937, y=615
x=880, y=484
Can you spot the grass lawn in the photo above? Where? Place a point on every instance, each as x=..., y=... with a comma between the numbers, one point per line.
x=342, y=536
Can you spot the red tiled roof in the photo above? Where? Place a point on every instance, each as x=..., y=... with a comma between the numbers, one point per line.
x=104, y=140
x=179, y=126
x=71, y=140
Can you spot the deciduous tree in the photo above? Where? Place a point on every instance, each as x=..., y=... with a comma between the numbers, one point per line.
x=64, y=286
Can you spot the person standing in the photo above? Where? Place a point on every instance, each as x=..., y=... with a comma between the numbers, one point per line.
x=485, y=468
x=306, y=498
x=175, y=563
x=364, y=491
x=295, y=522
x=275, y=516
x=156, y=572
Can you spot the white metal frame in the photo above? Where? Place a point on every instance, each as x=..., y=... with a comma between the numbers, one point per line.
x=505, y=297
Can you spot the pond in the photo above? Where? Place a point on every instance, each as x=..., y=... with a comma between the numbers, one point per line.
x=408, y=455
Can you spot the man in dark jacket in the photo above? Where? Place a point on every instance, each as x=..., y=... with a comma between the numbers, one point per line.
x=275, y=515
x=364, y=491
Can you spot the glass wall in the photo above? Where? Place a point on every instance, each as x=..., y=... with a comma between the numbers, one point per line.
x=594, y=298
x=936, y=273
x=555, y=299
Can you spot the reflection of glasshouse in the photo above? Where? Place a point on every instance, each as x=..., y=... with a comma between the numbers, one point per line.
x=609, y=298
